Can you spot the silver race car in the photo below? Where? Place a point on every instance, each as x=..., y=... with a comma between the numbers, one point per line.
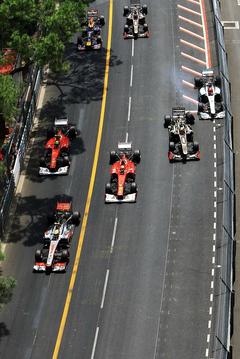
x=136, y=25
x=181, y=144
x=210, y=104
x=54, y=255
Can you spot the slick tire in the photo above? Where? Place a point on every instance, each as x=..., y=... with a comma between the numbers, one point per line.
x=125, y=10
x=190, y=118
x=218, y=81
x=171, y=146
x=108, y=188
x=137, y=156
x=76, y=218
x=133, y=187
x=38, y=255
x=145, y=27
x=195, y=147
x=65, y=255
x=198, y=82
x=72, y=133
x=167, y=121
x=102, y=20
x=144, y=9
x=50, y=133
x=113, y=157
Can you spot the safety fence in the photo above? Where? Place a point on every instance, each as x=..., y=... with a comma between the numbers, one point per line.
x=25, y=120
x=225, y=295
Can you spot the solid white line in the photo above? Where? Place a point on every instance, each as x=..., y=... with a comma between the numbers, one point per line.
x=132, y=47
x=104, y=289
x=129, y=108
x=131, y=76
x=114, y=228
x=204, y=35
x=210, y=310
x=95, y=343
x=126, y=140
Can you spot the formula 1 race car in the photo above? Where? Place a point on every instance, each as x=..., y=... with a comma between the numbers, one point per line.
x=136, y=25
x=54, y=255
x=181, y=144
x=90, y=38
x=210, y=104
x=56, y=159
x=122, y=186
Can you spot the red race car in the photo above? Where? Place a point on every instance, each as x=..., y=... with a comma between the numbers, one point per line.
x=54, y=255
x=9, y=59
x=56, y=159
x=122, y=186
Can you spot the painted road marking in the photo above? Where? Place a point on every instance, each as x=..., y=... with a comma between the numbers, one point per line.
x=191, y=33
x=190, y=99
x=131, y=76
x=187, y=43
x=189, y=10
x=193, y=58
x=104, y=289
x=187, y=83
x=230, y=25
x=114, y=228
x=95, y=343
x=129, y=108
x=126, y=139
x=90, y=191
x=193, y=72
x=189, y=21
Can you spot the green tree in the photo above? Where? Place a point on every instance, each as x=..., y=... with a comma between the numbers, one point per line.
x=9, y=93
x=7, y=284
x=40, y=30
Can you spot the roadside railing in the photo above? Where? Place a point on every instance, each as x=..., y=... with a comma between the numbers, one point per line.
x=223, y=333
x=26, y=119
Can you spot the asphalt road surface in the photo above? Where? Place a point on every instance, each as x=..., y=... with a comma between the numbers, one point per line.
x=143, y=283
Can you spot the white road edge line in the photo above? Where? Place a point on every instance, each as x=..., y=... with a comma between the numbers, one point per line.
x=104, y=288
x=115, y=223
x=131, y=76
x=129, y=108
x=95, y=343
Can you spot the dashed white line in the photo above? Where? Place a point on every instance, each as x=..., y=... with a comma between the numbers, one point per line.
x=214, y=225
x=214, y=146
x=104, y=288
x=211, y=297
x=214, y=236
x=213, y=272
x=115, y=227
x=209, y=324
x=215, y=194
x=214, y=138
x=131, y=76
x=208, y=338
x=215, y=174
x=95, y=343
x=215, y=155
x=214, y=129
x=215, y=184
x=212, y=284
x=214, y=249
x=215, y=204
x=210, y=310
x=206, y=353
x=213, y=260
x=126, y=140
x=129, y=108
x=215, y=215
x=132, y=47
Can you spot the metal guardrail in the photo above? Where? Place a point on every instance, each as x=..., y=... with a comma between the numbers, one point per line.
x=26, y=119
x=221, y=347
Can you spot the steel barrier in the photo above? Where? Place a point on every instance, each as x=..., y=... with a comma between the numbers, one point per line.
x=221, y=344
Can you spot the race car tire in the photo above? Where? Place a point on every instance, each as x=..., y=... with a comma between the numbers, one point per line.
x=126, y=29
x=218, y=98
x=190, y=118
x=51, y=218
x=64, y=151
x=167, y=121
x=102, y=20
x=145, y=27
x=65, y=255
x=126, y=10
x=99, y=40
x=113, y=157
x=72, y=133
x=50, y=133
x=200, y=107
x=38, y=255
x=79, y=41
x=133, y=187
x=171, y=146
x=198, y=82
x=42, y=162
x=108, y=188
x=76, y=218
x=145, y=9
x=203, y=99
x=65, y=161
x=195, y=146
x=190, y=137
x=218, y=81
x=137, y=156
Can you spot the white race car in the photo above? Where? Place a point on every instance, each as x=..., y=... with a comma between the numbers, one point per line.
x=210, y=104
x=136, y=25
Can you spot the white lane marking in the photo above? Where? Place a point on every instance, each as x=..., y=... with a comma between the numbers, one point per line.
x=215, y=204
x=193, y=58
x=132, y=47
x=114, y=229
x=126, y=140
x=95, y=343
x=215, y=155
x=215, y=194
x=190, y=44
x=214, y=146
x=211, y=297
x=191, y=33
x=214, y=128
x=204, y=35
x=214, y=249
x=214, y=138
x=230, y=25
x=212, y=284
x=215, y=164
x=214, y=225
x=104, y=288
x=238, y=2
x=214, y=236
x=209, y=324
x=213, y=260
x=210, y=310
x=187, y=9
x=129, y=108
x=131, y=76
x=208, y=338
x=213, y=272
x=187, y=69
x=206, y=353
x=215, y=184
x=215, y=174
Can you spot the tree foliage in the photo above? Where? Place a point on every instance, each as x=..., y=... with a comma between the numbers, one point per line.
x=7, y=284
x=9, y=93
x=39, y=30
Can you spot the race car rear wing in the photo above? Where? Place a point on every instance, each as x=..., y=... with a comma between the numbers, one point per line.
x=124, y=146
x=92, y=13
x=207, y=73
x=61, y=121
x=178, y=111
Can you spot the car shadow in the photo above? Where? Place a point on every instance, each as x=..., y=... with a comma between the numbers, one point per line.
x=30, y=219
x=4, y=331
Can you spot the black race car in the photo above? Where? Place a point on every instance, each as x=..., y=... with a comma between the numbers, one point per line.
x=181, y=144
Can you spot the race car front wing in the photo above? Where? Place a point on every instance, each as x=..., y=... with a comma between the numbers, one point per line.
x=179, y=157
x=129, y=198
x=56, y=267
x=209, y=116
x=44, y=171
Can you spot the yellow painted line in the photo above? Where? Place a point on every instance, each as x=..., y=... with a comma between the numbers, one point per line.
x=90, y=192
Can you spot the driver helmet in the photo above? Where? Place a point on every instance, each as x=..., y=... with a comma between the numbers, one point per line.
x=56, y=144
x=91, y=23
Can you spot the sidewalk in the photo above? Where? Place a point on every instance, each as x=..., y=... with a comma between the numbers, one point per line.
x=231, y=12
